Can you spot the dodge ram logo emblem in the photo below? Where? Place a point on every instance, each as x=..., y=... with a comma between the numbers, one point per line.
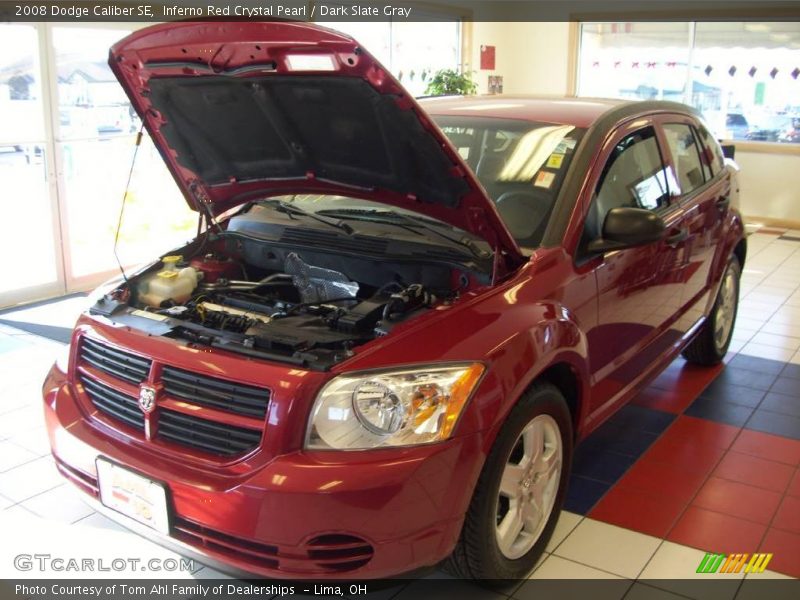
x=147, y=399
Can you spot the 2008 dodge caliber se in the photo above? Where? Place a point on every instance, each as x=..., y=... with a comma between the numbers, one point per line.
x=397, y=319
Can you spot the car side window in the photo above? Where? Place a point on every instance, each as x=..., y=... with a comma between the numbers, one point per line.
x=685, y=153
x=713, y=151
x=633, y=176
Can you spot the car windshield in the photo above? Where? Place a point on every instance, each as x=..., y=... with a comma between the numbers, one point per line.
x=521, y=164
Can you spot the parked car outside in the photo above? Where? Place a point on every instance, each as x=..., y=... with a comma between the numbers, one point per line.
x=399, y=318
x=736, y=126
x=791, y=134
x=772, y=129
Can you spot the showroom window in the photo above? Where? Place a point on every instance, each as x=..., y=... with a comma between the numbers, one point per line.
x=743, y=77
x=67, y=136
x=412, y=50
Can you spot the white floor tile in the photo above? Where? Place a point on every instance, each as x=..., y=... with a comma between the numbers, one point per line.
x=98, y=521
x=30, y=479
x=609, y=548
x=567, y=521
x=556, y=567
x=778, y=341
x=209, y=573
x=59, y=504
x=12, y=456
x=762, y=351
x=643, y=591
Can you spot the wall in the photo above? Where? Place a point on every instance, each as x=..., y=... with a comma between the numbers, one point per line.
x=529, y=56
x=769, y=191
x=534, y=58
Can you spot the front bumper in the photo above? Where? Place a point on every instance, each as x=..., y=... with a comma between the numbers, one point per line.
x=303, y=515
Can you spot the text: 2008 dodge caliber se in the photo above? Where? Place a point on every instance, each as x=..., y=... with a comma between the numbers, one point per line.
x=397, y=321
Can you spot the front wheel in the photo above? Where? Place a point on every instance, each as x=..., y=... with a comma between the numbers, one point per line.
x=711, y=343
x=519, y=494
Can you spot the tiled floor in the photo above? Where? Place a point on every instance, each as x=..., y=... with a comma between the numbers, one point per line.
x=702, y=460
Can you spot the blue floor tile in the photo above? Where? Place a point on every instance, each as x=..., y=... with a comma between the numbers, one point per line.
x=787, y=386
x=583, y=494
x=719, y=412
x=754, y=363
x=622, y=440
x=736, y=377
x=735, y=394
x=781, y=403
x=791, y=370
x=642, y=418
x=775, y=423
x=602, y=465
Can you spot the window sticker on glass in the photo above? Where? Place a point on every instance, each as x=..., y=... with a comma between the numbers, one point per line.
x=555, y=161
x=544, y=179
x=565, y=146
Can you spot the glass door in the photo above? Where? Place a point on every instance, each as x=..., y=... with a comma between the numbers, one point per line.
x=30, y=254
x=95, y=141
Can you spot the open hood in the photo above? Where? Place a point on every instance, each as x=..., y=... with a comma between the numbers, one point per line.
x=242, y=110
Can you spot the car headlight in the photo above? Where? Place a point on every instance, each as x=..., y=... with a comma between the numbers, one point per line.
x=397, y=408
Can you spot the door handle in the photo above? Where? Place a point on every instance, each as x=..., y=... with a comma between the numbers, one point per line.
x=676, y=238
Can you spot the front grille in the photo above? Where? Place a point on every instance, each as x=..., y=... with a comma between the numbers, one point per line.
x=209, y=436
x=111, y=376
x=216, y=393
x=113, y=403
x=339, y=552
x=329, y=553
x=198, y=535
x=117, y=363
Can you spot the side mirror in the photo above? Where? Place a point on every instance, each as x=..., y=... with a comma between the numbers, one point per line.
x=626, y=227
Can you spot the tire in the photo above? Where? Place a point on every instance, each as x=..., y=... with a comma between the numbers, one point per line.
x=711, y=343
x=479, y=554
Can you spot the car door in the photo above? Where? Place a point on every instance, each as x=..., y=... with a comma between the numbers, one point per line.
x=640, y=288
x=705, y=200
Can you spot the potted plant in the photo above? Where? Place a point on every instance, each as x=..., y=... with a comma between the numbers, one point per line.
x=447, y=82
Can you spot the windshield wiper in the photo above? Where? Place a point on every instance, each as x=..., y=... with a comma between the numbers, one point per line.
x=408, y=222
x=290, y=210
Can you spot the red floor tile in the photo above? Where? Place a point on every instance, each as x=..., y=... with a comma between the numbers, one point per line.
x=758, y=472
x=704, y=431
x=690, y=453
x=715, y=532
x=771, y=447
x=686, y=379
x=669, y=401
x=788, y=516
x=738, y=500
x=794, y=486
x=785, y=547
x=664, y=479
x=638, y=510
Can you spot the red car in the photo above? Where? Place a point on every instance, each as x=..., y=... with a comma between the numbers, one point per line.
x=397, y=319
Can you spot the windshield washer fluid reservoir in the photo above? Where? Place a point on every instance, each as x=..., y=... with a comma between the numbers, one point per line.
x=170, y=283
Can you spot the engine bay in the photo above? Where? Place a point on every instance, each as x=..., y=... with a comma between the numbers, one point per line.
x=304, y=304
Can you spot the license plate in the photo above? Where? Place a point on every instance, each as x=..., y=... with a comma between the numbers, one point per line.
x=137, y=497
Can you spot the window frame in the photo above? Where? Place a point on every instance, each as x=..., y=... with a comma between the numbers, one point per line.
x=669, y=212
x=692, y=123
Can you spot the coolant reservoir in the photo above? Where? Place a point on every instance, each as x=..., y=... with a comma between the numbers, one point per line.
x=170, y=283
